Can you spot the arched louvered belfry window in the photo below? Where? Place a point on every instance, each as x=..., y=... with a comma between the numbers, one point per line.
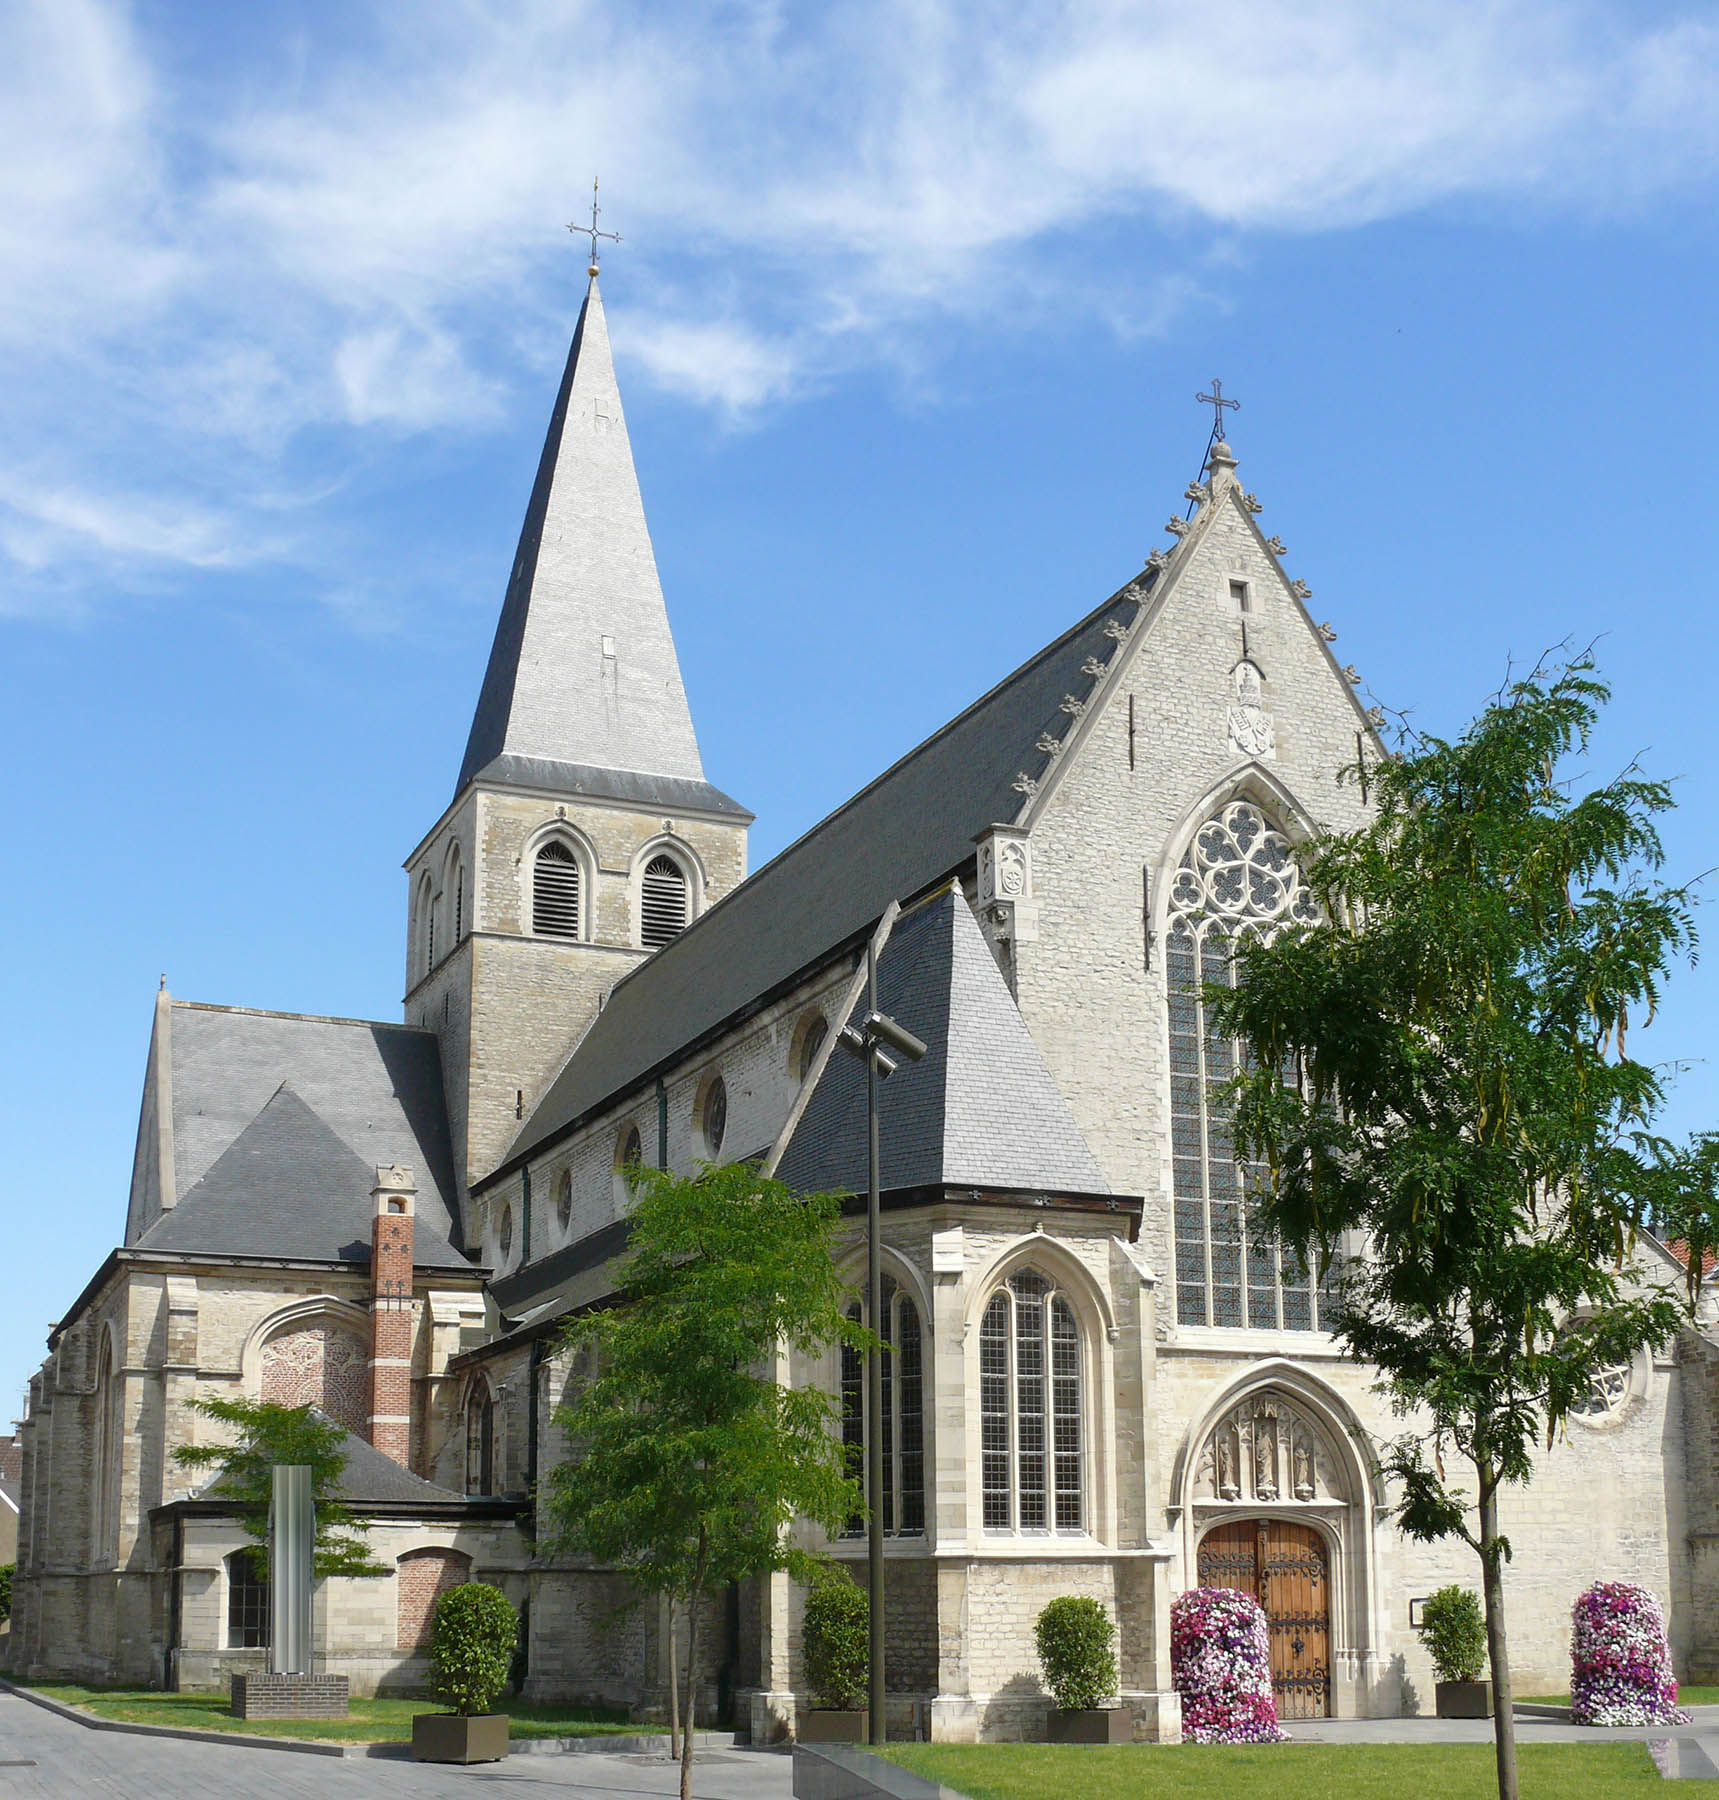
x=555, y=891
x=903, y=1416
x=664, y=902
x=1238, y=880
x=1031, y=1409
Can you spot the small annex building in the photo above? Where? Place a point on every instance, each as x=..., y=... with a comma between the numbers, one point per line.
x=1102, y=1380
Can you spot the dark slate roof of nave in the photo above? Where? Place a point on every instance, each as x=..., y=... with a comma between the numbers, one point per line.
x=915, y=824
x=288, y=1186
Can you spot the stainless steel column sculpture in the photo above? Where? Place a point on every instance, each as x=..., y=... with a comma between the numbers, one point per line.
x=292, y=1570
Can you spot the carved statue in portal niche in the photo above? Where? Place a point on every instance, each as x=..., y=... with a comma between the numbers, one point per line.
x=1265, y=1454
x=1227, y=1488
x=1303, y=1471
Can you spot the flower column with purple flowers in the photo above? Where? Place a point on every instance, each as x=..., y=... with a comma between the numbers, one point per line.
x=1620, y=1659
x=1220, y=1658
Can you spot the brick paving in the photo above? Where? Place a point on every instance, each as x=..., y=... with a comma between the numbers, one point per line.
x=68, y=1761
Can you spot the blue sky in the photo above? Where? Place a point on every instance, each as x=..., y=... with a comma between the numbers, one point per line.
x=910, y=312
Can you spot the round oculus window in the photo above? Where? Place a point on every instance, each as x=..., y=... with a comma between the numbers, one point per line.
x=715, y=1115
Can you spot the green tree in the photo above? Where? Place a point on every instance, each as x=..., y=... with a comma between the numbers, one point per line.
x=265, y=1434
x=7, y=1570
x=1683, y=1202
x=690, y=1459
x=473, y=1634
x=1441, y=1071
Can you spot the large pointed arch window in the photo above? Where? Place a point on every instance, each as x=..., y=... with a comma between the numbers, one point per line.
x=1031, y=1409
x=1239, y=879
x=903, y=1416
x=555, y=891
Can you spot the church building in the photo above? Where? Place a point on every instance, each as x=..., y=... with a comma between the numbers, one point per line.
x=1102, y=1379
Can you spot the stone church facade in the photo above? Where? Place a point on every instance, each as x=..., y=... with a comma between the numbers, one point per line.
x=1100, y=1382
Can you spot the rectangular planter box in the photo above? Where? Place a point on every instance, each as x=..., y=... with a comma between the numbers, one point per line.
x=1463, y=1699
x=449, y=1738
x=823, y=1727
x=265, y=1696
x=1105, y=1725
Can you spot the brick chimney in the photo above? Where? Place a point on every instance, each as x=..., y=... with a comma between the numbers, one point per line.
x=391, y=1314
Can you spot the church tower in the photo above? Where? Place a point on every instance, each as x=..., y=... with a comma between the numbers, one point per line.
x=582, y=834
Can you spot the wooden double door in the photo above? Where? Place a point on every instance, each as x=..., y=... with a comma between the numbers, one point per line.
x=1286, y=1567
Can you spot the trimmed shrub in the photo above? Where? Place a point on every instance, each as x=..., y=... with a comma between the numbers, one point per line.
x=836, y=1637
x=6, y=1572
x=1220, y=1661
x=1453, y=1628
x=1074, y=1635
x=472, y=1638
x=1620, y=1661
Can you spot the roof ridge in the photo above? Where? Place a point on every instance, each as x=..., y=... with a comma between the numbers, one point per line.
x=854, y=799
x=269, y=1012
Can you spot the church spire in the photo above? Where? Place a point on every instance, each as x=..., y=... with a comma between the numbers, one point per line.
x=583, y=670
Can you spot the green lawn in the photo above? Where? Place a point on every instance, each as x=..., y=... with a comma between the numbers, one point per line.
x=1278, y=1771
x=372, y=1721
x=1688, y=1694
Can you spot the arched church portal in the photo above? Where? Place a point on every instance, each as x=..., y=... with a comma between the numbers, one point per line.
x=1277, y=1502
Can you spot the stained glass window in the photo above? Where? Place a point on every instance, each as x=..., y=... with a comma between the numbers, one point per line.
x=1032, y=1452
x=903, y=1400
x=1239, y=879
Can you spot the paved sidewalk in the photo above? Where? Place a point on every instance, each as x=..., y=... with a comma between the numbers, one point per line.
x=66, y=1761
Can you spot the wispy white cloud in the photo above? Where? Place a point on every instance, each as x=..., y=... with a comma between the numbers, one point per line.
x=198, y=263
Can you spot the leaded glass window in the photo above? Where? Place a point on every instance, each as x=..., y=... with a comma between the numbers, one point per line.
x=903, y=1416
x=1239, y=879
x=1030, y=1409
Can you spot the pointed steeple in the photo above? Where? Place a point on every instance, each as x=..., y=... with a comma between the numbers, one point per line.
x=583, y=670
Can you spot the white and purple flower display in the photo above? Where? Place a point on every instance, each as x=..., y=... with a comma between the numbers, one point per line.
x=1220, y=1660
x=1620, y=1660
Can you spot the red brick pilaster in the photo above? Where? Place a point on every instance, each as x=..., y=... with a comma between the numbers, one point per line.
x=391, y=1314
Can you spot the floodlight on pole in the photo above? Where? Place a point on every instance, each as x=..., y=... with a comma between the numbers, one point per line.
x=883, y=1046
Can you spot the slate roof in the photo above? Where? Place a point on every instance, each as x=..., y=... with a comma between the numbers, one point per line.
x=894, y=840
x=213, y=1069
x=288, y=1186
x=368, y=1479
x=583, y=668
x=372, y=1479
x=671, y=792
x=979, y=1110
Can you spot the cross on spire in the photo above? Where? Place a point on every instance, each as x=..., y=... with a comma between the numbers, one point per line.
x=614, y=237
x=1216, y=401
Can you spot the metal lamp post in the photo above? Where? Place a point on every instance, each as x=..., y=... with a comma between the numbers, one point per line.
x=884, y=1046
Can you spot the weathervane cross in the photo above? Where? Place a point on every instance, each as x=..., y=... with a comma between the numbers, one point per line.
x=614, y=237
x=1216, y=401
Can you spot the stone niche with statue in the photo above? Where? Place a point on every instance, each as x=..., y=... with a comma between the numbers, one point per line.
x=1269, y=1451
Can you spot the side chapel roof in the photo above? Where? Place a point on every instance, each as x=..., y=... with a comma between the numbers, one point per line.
x=981, y=1108
x=268, y=1129
x=288, y=1186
